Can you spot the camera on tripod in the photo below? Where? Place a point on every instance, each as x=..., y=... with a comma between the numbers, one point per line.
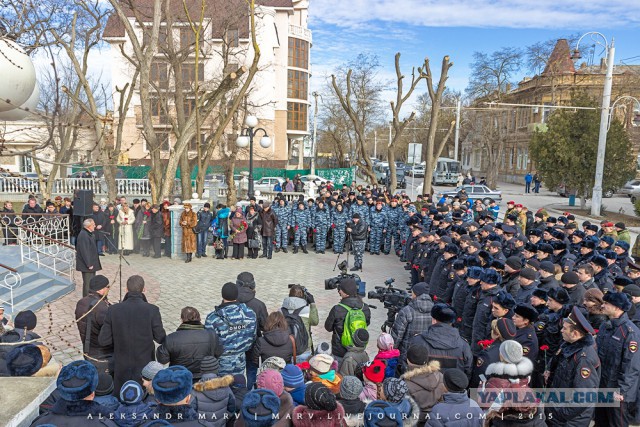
x=333, y=282
x=393, y=299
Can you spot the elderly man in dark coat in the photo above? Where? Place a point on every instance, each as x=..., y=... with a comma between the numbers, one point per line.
x=90, y=314
x=87, y=259
x=131, y=327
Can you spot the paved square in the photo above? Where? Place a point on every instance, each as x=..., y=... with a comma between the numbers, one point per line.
x=174, y=284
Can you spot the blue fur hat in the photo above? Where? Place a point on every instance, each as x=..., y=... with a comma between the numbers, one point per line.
x=505, y=300
x=451, y=248
x=608, y=240
x=609, y=254
x=618, y=299
x=77, y=380
x=475, y=272
x=491, y=276
x=443, y=313
x=24, y=360
x=381, y=413
x=259, y=406
x=623, y=281
x=131, y=392
x=173, y=384
x=624, y=245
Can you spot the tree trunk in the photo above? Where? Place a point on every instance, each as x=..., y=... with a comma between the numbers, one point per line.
x=229, y=166
x=393, y=180
x=110, y=178
x=185, y=176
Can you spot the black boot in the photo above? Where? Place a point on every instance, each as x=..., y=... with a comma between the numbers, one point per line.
x=226, y=252
x=355, y=268
x=304, y=249
x=295, y=249
x=278, y=250
x=285, y=250
x=188, y=258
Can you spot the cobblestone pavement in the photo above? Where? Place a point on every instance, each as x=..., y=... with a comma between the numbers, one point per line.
x=173, y=284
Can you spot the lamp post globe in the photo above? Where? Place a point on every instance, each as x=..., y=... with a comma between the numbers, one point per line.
x=251, y=121
x=265, y=142
x=242, y=141
x=17, y=74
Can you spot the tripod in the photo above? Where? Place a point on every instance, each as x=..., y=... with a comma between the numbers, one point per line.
x=120, y=257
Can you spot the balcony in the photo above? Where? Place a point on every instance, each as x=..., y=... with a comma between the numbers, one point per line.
x=300, y=32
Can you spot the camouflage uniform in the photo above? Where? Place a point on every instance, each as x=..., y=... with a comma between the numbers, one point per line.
x=361, y=209
x=301, y=221
x=393, y=222
x=283, y=213
x=339, y=221
x=378, y=225
x=235, y=325
x=321, y=223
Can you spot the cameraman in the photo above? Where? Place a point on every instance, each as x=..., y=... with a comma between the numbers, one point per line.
x=412, y=319
x=348, y=291
x=300, y=299
x=358, y=230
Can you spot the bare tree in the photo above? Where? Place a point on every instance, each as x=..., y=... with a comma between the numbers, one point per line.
x=432, y=149
x=184, y=125
x=492, y=74
x=359, y=95
x=399, y=125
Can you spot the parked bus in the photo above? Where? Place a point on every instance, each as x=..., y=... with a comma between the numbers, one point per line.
x=447, y=171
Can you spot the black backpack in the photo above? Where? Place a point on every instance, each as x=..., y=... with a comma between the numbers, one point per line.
x=297, y=329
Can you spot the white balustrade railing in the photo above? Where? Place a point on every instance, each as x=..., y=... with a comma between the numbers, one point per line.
x=45, y=241
x=10, y=281
x=298, y=31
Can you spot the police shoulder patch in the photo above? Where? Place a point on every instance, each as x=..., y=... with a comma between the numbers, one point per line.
x=525, y=350
x=585, y=373
x=633, y=346
x=480, y=362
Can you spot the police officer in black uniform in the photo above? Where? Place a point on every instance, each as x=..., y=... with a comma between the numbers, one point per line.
x=577, y=366
x=617, y=343
x=524, y=317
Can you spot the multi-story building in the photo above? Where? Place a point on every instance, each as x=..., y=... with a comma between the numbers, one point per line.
x=279, y=92
x=522, y=111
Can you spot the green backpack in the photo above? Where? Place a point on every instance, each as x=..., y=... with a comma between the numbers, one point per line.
x=354, y=319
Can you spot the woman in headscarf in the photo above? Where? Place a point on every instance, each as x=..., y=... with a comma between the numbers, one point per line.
x=239, y=233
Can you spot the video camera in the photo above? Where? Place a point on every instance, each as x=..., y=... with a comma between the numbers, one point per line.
x=333, y=282
x=393, y=299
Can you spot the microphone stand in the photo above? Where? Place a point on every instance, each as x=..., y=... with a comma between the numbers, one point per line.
x=120, y=257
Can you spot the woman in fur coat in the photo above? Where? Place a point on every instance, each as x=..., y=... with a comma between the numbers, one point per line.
x=188, y=220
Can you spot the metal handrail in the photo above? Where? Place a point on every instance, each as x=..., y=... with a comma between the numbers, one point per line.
x=6, y=267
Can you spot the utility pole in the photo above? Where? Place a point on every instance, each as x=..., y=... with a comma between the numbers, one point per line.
x=375, y=143
x=457, y=134
x=315, y=132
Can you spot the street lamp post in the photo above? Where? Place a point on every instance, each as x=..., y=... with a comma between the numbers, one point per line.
x=246, y=139
x=596, y=199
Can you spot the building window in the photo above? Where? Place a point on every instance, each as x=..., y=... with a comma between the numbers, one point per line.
x=159, y=75
x=296, y=116
x=157, y=110
x=232, y=38
x=188, y=106
x=189, y=74
x=298, y=53
x=297, y=84
x=193, y=144
x=188, y=38
x=163, y=140
x=162, y=36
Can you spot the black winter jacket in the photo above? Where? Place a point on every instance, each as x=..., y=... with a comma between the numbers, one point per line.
x=87, y=252
x=410, y=321
x=188, y=346
x=482, y=317
x=359, y=230
x=447, y=347
x=98, y=314
x=335, y=322
x=248, y=297
x=273, y=343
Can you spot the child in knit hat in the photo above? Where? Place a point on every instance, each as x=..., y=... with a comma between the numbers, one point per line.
x=320, y=370
x=133, y=408
x=356, y=354
x=350, y=389
x=293, y=380
x=373, y=374
x=271, y=379
x=396, y=392
x=388, y=354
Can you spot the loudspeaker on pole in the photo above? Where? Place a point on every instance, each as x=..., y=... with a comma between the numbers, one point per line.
x=82, y=202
